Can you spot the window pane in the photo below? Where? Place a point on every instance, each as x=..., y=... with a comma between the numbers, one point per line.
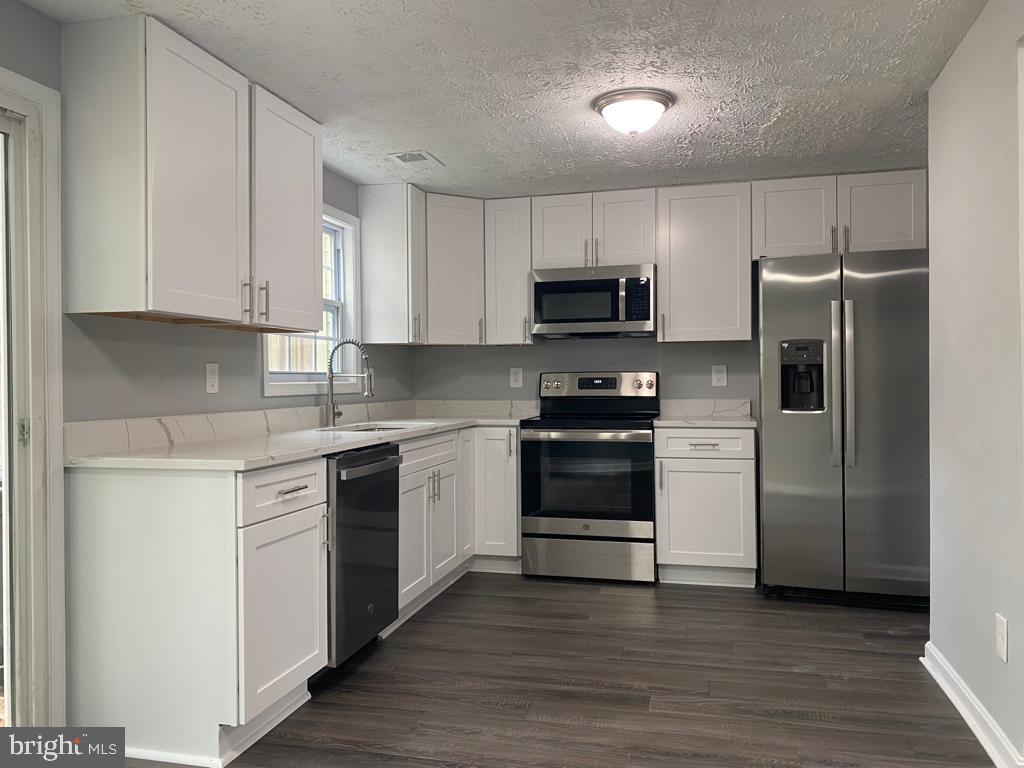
x=330, y=322
x=277, y=352
x=301, y=354
x=330, y=263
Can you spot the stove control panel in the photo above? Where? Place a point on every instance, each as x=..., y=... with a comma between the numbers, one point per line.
x=599, y=384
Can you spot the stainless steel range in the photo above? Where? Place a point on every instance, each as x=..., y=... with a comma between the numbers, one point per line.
x=588, y=477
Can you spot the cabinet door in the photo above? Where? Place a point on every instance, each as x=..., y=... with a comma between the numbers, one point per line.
x=287, y=205
x=455, y=270
x=884, y=211
x=414, y=493
x=704, y=272
x=497, y=492
x=444, y=521
x=624, y=225
x=705, y=513
x=507, y=270
x=282, y=599
x=467, y=532
x=794, y=217
x=416, y=237
x=197, y=141
x=562, y=227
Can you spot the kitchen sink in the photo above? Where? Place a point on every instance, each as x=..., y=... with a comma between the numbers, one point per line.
x=384, y=426
x=375, y=429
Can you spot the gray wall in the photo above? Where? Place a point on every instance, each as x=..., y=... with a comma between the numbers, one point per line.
x=481, y=373
x=975, y=329
x=117, y=368
x=29, y=43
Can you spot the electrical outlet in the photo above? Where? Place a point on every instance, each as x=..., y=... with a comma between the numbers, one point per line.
x=719, y=376
x=1001, y=647
x=212, y=378
x=515, y=378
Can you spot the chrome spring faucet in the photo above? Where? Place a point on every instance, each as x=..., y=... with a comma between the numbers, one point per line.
x=366, y=376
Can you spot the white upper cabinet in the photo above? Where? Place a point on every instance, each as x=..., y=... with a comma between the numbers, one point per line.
x=166, y=167
x=884, y=211
x=704, y=274
x=507, y=271
x=624, y=227
x=455, y=270
x=393, y=249
x=155, y=173
x=287, y=210
x=794, y=217
x=562, y=231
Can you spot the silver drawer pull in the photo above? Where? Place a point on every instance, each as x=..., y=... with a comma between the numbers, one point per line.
x=705, y=446
x=290, y=491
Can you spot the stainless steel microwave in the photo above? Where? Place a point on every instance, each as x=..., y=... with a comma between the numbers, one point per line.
x=594, y=301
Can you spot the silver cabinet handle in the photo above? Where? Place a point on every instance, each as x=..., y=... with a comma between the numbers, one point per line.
x=835, y=239
x=846, y=238
x=509, y=442
x=430, y=487
x=327, y=530
x=295, y=489
x=416, y=328
x=834, y=375
x=705, y=446
x=437, y=485
x=526, y=328
x=480, y=329
x=662, y=328
x=586, y=251
x=596, y=242
x=264, y=291
x=661, y=475
x=850, y=372
x=247, y=299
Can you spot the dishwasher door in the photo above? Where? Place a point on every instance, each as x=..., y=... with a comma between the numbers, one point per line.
x=363, y=540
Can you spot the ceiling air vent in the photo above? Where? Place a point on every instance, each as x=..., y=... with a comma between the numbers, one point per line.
x=417, y=159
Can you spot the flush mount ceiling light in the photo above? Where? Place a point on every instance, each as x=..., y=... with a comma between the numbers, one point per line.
x=633, y=110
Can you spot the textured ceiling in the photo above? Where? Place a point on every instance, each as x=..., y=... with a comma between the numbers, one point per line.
x=499, y=90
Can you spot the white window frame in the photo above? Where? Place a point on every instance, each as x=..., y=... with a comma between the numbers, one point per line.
x=37, y=501
x=351, y=320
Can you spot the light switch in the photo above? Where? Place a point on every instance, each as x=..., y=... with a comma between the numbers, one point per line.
x=212, y=378
x=719, y=376
x=515, y=378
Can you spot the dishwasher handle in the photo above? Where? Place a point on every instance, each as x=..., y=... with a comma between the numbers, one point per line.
x=354, y=473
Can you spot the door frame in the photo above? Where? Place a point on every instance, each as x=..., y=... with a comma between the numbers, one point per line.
x=37, y=552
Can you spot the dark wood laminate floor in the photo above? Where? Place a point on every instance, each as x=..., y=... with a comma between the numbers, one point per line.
x=506, y=671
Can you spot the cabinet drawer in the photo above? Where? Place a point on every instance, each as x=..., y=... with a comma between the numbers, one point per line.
x=428, y=452
x=268, y=493
x=704, y=443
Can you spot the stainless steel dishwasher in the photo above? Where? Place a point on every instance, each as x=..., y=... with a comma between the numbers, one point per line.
x=363, y=532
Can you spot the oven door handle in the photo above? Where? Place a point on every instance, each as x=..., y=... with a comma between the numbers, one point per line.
x=588, y=435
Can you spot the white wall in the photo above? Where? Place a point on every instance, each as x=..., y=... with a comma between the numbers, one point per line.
x=29, y=43
x=975, y=363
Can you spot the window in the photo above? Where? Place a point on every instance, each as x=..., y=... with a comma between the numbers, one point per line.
x=296, y=363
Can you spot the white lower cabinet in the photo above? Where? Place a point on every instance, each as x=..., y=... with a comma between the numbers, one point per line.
x=467, y=527
x=282, y=606
x=705, y=510
x=496, y=510
x=444, y=521
x=414, y=495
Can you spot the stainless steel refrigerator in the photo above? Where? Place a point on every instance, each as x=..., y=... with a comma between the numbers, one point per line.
x=844, y=439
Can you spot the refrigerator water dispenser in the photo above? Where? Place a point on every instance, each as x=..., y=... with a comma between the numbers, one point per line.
x=802, y=375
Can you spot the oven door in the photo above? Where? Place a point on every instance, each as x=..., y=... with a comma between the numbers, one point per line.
x=588, y=483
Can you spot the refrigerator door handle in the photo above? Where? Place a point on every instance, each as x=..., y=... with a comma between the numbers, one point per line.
x=850, y=373
x=835, y=372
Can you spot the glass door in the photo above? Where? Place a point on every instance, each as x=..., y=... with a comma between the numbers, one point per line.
x=591, y=475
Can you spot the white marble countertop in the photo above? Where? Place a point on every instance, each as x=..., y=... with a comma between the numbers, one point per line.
x=240, y=454
x=719, y=421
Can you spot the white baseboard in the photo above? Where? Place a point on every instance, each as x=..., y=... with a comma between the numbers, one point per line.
x=137, y=753
x=234, y=741
x=494, y=564
x=410, y=610
x=707, y=576
x=992, y=737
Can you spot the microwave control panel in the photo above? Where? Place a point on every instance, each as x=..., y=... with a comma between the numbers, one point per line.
x=638, y=298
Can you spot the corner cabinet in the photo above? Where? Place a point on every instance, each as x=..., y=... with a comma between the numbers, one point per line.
x=704, y=275
x=156, y=173
x=508, y=315
x=287, y=215
x=393, y=251
x=455, y=270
